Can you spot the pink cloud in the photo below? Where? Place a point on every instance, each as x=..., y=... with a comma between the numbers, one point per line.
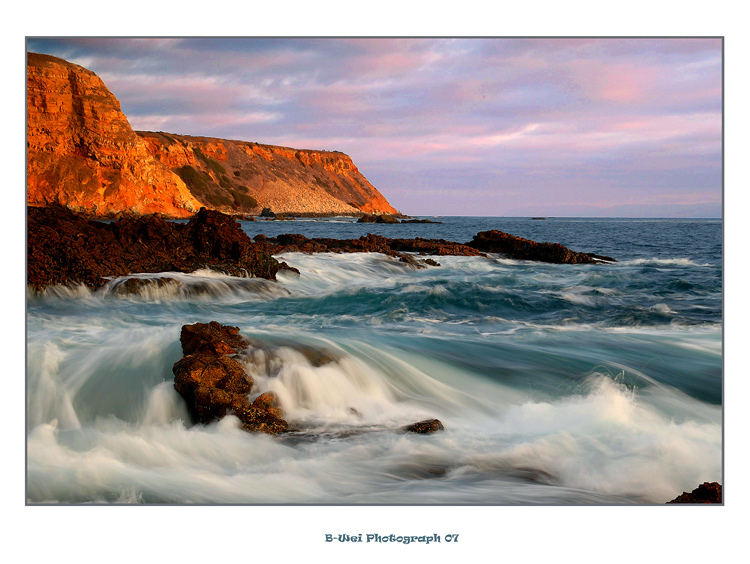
x=612, y=82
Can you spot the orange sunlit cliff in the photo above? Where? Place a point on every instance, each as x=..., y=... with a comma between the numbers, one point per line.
x=83, y=154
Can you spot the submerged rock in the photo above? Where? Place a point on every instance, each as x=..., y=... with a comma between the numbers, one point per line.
x=214, y=383
x=378, y=218
x=425, y=427
x=705, y=493
x=130, y=286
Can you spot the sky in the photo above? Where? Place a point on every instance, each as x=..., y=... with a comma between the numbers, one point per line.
x=450, y=126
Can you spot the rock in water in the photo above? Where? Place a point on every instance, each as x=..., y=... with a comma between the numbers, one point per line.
x=378, y=218
x=214, y=383
x=524, y=249
x=66, y=248
x=705, y=493
x=425, y=427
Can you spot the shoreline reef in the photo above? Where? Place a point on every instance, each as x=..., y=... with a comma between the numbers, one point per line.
x=67, y=248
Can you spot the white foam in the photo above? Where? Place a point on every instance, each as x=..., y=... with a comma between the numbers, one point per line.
x=662, y=262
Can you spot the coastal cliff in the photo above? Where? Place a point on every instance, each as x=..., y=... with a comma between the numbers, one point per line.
x=83, y=154
x=246, y=177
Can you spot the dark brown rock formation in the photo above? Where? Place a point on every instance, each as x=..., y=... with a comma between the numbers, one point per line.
x=425, y=427
x=380, y=218
x=705, y=493
x=65, y=248
x=523, y=249
x=368, y=244
x=214, y=383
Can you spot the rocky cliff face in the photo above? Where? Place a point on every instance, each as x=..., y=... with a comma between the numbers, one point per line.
x=83, y=154
x=243, y=176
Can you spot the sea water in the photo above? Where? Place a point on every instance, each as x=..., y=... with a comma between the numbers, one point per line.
x=556, y=384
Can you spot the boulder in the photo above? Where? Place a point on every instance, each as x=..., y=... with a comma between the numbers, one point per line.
x=705, y=493
x=211, y=337
x=214, y=383
x=425, y=427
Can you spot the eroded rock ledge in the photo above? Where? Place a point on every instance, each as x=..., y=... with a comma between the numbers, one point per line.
x=484, y=242
x=66, y=248
x=397, y=248
x=524, y=249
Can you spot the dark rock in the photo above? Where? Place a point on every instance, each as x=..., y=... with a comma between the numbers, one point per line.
x=602, y=257
x=211, y=337
x=425, y=427
x=419, y=221
x=290, y=269
x=317, y=357
x=411, y=261
x=66, y=248
x=266, y=212
x=523, y=249
x=214, y=383
x=262, y=415
x=211, y=384
x=366, y=244
x=129, y=286
x=705, y=493
x=380, y=218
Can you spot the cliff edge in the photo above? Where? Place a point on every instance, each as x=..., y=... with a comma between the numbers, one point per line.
x=247, y=177
x=83, y=154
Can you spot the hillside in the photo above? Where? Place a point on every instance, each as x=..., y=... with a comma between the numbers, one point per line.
x=244, y=176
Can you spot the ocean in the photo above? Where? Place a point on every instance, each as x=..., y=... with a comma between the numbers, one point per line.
x=556, y=384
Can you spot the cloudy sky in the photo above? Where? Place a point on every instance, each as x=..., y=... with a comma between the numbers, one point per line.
x=576, y=127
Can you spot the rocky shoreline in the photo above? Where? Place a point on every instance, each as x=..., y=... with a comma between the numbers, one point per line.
x=65, y=248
